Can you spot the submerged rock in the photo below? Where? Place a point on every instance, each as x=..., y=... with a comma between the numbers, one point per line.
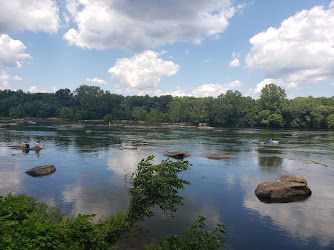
x=286, y=188
x=217, y=156
x=41, y=170
x=177, y=154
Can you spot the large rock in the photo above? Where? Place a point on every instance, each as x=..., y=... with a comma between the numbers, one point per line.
x=41, y=170
x=286, y=188
x=177, y=154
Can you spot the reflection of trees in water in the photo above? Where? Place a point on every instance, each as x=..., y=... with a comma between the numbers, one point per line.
x=96, y=142
x=270, y=163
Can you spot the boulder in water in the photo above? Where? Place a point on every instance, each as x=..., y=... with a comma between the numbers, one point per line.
x=41, y=170
x=286, y=188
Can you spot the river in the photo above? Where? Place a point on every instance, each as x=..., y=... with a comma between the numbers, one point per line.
x=220, y=190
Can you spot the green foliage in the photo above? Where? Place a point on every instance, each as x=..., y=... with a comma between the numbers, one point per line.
x=155, y=185
x=17, y=112
x=156, y=115
x=330, y=121
x=272, y=98
x=275, y=120
x=107, y=118
x=80, y=115
x=229, y=109
x=66, y=113
x=139, y=114
x=194, y=238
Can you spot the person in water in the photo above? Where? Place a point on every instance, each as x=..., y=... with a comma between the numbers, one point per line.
x=38, y=146
x=25, y=144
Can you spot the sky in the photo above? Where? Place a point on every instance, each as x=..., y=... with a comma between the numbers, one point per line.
x=194, y=48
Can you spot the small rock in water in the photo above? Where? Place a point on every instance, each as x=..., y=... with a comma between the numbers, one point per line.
x=177, y=154
x=217, y=156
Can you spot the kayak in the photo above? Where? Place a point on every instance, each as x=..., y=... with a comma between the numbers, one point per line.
x=259, y=142
x=272, y=141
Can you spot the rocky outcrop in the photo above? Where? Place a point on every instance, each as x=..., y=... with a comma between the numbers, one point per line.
x=177, y=154
x=286, y=188
x=217, y=156
x=41, y=170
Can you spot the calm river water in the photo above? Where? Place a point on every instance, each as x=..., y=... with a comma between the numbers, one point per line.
x=220, y=190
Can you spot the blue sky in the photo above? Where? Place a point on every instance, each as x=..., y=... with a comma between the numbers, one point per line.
x=157, y=47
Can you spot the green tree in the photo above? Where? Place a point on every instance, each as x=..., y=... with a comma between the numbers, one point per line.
x=330, y=121
x=272, y=98
x=66, y=113
x=81, y=115
x=107, y=118
x=17, y=112
x=139, y=114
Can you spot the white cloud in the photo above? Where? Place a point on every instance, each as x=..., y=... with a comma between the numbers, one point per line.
x=11, y=52
x=249, y=92
x=34, y=89
x=54, y=89
x=139, y=25
x=278, y=82
x=17, y=78
x=332, y=84
x=331, y=4
x=235, y=60
x=5, y=78
x=301, y=49
x=96, y=81
x=214, y=89
x=141, y=73
x=174, y=93
x=35, y=15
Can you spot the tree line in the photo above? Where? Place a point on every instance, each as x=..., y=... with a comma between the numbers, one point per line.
x=230, y=109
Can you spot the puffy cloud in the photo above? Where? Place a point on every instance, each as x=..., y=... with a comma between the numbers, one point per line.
x=278, y=82
x=331, y=4
x=34, y=89
x=11, y=52
x=5, y=78
x=139, y=25
x=301, y=49
x=35, y=15
x=96, y=81
x=17, y=78
x=174, y=93
x=141, y=73
x=214, y=89
x=235, y=60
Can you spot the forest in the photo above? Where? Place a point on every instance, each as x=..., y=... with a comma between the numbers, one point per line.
x=271, y=110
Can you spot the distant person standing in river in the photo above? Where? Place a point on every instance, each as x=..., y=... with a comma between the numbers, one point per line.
x=38, y=146
x=25, y=144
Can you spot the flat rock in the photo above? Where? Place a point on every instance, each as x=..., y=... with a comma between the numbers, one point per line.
x=217, y=156
x=88, y=149
x=286, y=188
x=177, y=154
x=41, y=170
